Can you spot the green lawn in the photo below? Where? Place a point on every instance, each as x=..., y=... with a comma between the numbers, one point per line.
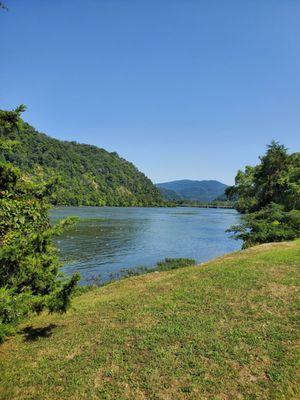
x=227, y=329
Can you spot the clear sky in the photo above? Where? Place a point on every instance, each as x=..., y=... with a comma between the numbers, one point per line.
x=182, y=88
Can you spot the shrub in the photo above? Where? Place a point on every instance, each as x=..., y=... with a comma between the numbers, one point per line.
x=270, y=224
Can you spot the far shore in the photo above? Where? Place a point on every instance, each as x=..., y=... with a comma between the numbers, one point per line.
x=206, y=206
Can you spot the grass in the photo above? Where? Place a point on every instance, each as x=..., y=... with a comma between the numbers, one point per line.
x=224, y=330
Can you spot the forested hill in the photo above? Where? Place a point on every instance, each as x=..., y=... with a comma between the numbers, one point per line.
x=88, y=175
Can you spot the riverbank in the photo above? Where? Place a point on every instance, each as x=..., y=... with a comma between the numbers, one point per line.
x=226, y=329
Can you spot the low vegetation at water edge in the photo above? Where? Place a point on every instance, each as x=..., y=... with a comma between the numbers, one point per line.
x=165, y=265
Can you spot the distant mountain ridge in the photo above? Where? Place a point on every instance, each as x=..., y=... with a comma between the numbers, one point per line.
x=192, y=190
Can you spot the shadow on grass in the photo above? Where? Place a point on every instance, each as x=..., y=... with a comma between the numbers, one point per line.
x=31, y=334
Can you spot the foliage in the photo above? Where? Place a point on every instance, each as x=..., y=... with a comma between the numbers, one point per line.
x=86, y=175
x=167, y=264
x=29, y=267
x=275, y=180
x=269, y=196
x=173, y=263
x=270, y=224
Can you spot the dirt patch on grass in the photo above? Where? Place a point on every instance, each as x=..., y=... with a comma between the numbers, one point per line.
x=281, y=291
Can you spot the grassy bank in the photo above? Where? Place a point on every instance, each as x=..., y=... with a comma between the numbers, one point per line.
x=224, y=330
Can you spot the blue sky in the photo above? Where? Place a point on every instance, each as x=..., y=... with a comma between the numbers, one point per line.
x=182, y=88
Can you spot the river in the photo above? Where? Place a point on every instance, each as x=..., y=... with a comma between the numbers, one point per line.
x=108, y=239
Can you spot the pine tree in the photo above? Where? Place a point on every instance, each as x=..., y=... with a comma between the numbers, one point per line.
x=30, y=280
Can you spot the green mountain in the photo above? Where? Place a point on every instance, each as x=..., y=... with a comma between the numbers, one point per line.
x=169, y=195
x=204, y=191
x=87, y=175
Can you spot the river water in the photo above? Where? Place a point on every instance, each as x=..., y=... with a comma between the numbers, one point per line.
x=108, y=239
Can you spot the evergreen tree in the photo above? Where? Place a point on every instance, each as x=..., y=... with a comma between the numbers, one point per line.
x=29, y=267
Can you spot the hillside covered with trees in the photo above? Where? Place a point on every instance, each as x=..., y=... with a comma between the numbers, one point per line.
x=83, y=174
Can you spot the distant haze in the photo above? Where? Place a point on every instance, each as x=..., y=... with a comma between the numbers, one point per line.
x=206, y=191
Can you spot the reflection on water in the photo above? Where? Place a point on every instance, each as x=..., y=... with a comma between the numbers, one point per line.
x=107, y=239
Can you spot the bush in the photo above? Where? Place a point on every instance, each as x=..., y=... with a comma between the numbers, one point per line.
x=174, y=263
x=13, y=307
x=270, y=224
x=165, y=265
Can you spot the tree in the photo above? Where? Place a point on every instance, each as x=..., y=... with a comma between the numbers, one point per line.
x=275, y=179
x=269, y=197
x=243, y=192
x=29, y=269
